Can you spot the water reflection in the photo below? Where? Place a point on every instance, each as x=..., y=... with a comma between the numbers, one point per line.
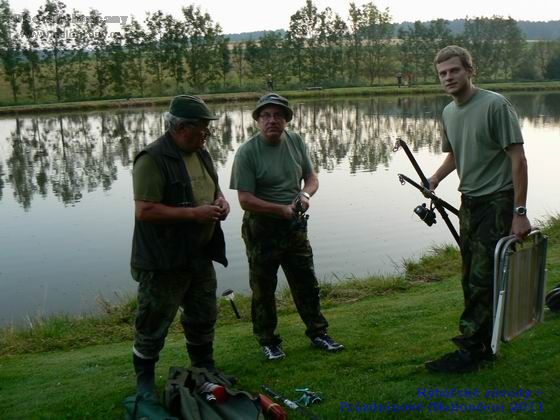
x=65, y=187
x=70, y=155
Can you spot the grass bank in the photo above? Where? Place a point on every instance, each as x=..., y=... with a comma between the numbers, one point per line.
x=80, y=368
x=253, y=96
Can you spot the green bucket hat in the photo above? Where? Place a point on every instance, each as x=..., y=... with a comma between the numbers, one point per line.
x=273, y=99
x=190, y=108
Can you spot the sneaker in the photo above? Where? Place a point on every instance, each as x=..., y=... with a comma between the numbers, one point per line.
x=326, y=343
x=459, y=361
x=273, y=352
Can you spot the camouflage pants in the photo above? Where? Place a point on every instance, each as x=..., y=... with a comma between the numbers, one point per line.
x=270, y=244
x=484, y=221
x=160, y=294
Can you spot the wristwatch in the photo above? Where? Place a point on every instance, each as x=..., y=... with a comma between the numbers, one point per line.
x=520, y=210
x=306, y=195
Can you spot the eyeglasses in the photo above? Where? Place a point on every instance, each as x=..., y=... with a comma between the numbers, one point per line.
x=202, y=127
x=274, y=116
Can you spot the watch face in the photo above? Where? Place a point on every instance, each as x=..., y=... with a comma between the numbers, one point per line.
x=521, y=211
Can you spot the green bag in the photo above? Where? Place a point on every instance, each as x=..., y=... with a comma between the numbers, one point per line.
x=140, y=407
x=183, y=397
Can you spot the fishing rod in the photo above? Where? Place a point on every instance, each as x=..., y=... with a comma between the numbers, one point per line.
x=427, y=214
x=290, y=404
x=428, y=193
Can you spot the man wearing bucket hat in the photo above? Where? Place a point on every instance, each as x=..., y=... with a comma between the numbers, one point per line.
x=268, y=172
x=177, y=235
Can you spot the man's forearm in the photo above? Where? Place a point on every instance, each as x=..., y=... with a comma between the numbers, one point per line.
x=160, y=213
x=311, y=184
x=520, y=179
x=250, y=202
x=445, y=169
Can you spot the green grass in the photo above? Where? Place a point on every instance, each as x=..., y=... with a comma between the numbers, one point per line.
x=390, y=327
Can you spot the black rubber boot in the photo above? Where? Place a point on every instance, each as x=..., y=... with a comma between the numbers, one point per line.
x=145, y=375
x=201, y=355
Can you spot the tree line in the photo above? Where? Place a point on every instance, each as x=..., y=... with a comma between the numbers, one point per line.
x=57, y=54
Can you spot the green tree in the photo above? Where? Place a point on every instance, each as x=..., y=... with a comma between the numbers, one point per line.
x=135, y=42
x=266, y=57
x=355, y=36
x=552, y=70
x=479, y=36
x=377, y=32
x=543, y=52
x=302, y=36
x=30, y=46
x=527, y=68
x=413, y=49
x=496, y=45
x=173, y=42
x=513, y=46
x=117, y=65
x=331, y=39
x=203, y=55
x=226, y=63
x=10, y=47
x=53, y=23
x=79, y=44
x=155, y=22
x=98, y=34
x=238, y=60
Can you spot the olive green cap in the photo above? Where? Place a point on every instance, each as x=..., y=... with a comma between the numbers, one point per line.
x=273, y=99
x=190, y=108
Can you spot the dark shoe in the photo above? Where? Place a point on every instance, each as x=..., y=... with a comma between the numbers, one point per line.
x=487, y=356
x=479, y=349
x=273, y=352
x=459, y=361
x=326, y=343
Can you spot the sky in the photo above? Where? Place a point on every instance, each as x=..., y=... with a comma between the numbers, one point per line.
x=237, y=16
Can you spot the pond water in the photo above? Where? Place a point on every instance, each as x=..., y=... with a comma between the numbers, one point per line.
x=66, y=206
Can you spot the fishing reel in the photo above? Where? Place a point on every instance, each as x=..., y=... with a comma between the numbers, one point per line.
x=426, y=214
x=299, y=221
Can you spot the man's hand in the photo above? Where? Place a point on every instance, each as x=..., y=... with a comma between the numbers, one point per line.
x=207, y=213
x=305, y=202
x=433, y=183
x=222, y=203
x=287, y=211
x=520, y=226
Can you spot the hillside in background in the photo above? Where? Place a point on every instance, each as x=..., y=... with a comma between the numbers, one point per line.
x=533, y=31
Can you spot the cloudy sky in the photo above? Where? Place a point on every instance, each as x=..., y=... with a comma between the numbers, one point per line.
x=252, y=15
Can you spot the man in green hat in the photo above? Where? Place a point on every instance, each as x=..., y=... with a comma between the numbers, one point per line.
x=177, y=235
x=273, y=176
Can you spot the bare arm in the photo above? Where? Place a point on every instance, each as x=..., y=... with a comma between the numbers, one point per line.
x=250, y=202
x=310, y=186
x=445, y=169
x=148, y=211
x=520, y=226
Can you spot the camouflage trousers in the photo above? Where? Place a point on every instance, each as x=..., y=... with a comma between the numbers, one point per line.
x=270, y=244
x=484, y=221
x=160, y=294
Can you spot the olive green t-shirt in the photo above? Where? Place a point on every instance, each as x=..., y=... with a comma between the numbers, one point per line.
x=477, y=133
x=271, y=172
x=149, y=184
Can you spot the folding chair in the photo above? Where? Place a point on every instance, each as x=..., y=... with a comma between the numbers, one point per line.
x=519, y=286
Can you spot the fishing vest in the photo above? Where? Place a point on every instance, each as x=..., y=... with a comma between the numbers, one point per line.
x=168, y=246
